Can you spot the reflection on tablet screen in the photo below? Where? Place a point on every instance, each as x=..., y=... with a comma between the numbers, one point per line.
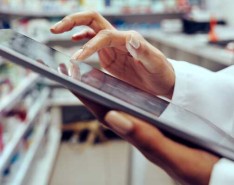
x=83, y=72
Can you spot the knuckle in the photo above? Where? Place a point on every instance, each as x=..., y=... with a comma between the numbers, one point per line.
x=105, y=33
x=87, y=46
x=67, y=18
x=134, y=33
x=145, y=51
x=94, y=13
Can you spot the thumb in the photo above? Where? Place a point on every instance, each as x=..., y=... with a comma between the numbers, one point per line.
x=144, y=136
x=151, y=58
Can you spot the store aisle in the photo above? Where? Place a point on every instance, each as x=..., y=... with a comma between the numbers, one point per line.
x=102, y=164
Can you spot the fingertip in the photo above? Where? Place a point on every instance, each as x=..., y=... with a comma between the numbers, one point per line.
x=52, y=30
x=111, y=114
x=119, y=123
x=55, y=30
x=73, y=39
x=76, y=37
x=55, y=26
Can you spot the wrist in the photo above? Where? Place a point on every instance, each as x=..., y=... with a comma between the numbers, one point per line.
x=197, y=168
x=170, y=79
x=188, y=165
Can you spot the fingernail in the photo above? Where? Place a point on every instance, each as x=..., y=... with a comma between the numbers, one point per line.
x=77, y=34
x=134, y=43
x=57, y=24
x=131, y=50
x=77, y=54
x=118, y=122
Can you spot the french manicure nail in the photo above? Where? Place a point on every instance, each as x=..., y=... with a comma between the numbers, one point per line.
x=131, y=50
x=77, y=54
x=76, y=34
x=118, y=122
x=134, y=43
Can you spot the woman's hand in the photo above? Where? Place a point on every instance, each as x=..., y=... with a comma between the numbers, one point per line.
x=125, y=54
x=129, y=57
x=187, y=165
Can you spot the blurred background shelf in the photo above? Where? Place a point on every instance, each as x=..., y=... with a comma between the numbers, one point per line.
x=30, y=13
x=194, y=47
x=15, y=96
x=1, y=61
x=63, y=97
x=43, y=165
x=31, y=153
x=108, y=12
x=37, y=107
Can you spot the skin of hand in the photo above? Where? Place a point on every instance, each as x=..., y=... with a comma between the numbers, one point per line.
x=129, y=57
x=125, y=54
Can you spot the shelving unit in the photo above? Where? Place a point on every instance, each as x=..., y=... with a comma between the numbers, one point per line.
x=14, y=97
x=193, y=48
x=59, y=100
x=43, y=165
x=34, y=112
x=29, y=13
x=108, y=12
x=31, y=153
x=1, y=61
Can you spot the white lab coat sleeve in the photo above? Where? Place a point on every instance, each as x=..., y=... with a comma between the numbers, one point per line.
x=209, y=95
x=223, y=173
x=205, y=93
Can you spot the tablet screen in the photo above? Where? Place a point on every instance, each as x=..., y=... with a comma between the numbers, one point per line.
x=82, y=72
x=101, y=82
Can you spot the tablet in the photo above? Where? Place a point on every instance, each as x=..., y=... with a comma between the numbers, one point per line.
x=115, y=94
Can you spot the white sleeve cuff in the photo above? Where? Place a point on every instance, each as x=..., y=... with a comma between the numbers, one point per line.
x=223, y=173
x=189, y=108
x=188, y=77
x=204, y=93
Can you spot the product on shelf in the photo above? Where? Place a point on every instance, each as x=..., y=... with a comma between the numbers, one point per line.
x=39, y=5
x=13, y=167
x=21, y=128
x=5, y=86
x=10, y=77
x=53, y=8
x=12, y=120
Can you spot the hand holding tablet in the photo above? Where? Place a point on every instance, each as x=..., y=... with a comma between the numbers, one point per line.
x=140, y=73
x=125, y=54
x=150, y=141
